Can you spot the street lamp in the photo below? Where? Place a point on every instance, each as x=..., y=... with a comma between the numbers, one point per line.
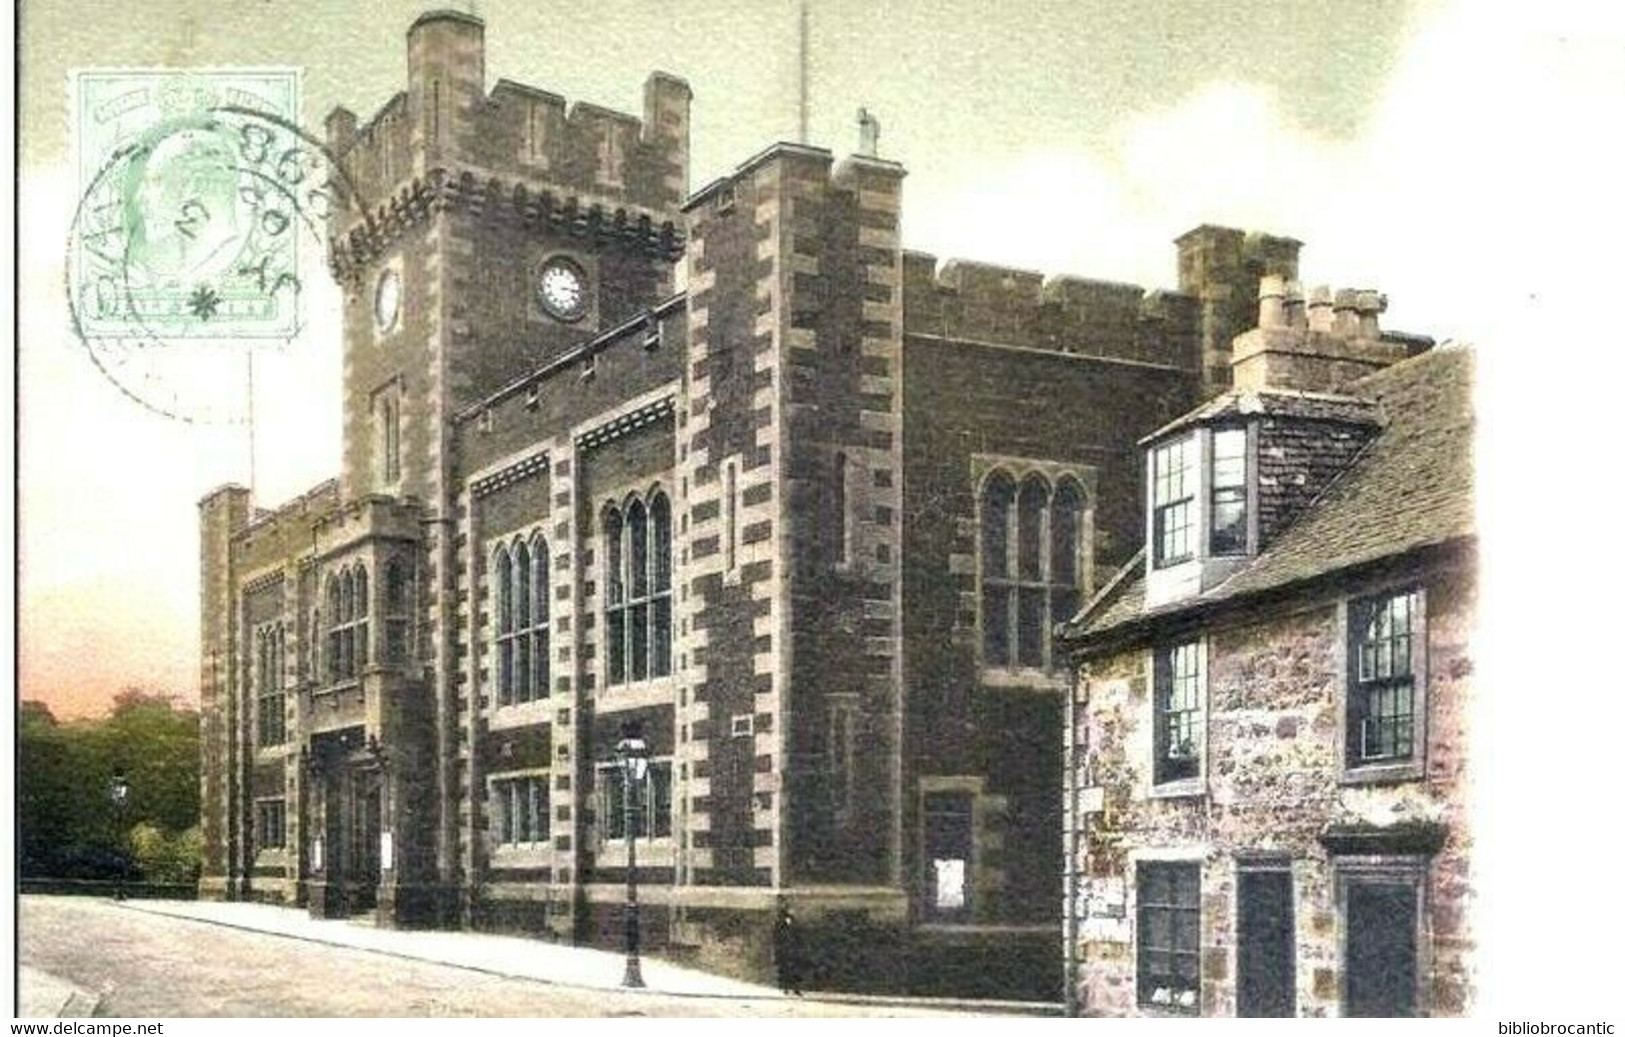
x=632, y=754
x=118, y=791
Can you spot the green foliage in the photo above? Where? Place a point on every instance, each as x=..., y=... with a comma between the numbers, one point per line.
x=68, y=825
x=164, y=857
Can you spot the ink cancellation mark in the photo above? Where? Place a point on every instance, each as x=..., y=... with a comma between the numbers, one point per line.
x=199, y=196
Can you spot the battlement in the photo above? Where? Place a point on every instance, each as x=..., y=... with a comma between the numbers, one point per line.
x=960, y=299
x=1318, y=341
x=446, y=120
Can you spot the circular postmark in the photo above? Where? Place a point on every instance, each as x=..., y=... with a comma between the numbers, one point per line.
x=186, y=250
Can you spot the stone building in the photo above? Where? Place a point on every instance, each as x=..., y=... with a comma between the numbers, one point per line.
x=1267, y=778
x=732, y=468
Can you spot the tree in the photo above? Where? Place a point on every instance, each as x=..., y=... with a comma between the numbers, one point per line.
x=66, y=817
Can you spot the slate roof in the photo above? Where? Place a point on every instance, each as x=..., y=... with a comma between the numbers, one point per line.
x=1293, y=403
x=1409, y=489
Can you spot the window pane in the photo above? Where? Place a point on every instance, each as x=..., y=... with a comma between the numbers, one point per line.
x=521, y=592
x=615, y=636
x=660, y=522
x=504, y=578
x=638, y=641
x=660, y=663
x=1229, y=522
x=614, y=803
x=521, y=668
x=1032, y=626
x=614, y=574
x=505, y=672
x=1030, y=516
x=1064, y=514
x=996, y=502
x=542, y=681
x=660, y=776
x=996, y=625
x=637, y=534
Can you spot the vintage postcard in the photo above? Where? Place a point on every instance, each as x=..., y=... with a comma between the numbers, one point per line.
x=790, y=508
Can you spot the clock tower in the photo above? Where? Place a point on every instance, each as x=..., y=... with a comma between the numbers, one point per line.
x=489, y=233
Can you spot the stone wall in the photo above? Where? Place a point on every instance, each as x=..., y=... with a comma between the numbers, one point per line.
x=1273, y=783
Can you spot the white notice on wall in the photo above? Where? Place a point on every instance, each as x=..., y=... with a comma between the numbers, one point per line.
x=316, y=854
x=386, y=850
x=950, y=883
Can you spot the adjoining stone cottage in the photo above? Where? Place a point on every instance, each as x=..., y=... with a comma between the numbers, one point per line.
x=1267, y=780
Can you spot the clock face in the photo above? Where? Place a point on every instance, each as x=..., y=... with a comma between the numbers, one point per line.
x=386, y=301
x=563, y=290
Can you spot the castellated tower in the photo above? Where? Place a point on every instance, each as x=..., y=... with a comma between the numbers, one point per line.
x=465, y=204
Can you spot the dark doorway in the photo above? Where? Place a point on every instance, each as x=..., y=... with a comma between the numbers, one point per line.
x=1381, y=952
x=948, y=857
x=368, y=826
x=1267, y=971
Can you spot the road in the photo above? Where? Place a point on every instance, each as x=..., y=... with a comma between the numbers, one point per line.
x=149, y=966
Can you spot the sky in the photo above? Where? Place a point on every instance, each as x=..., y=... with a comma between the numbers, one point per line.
x=1396, y=139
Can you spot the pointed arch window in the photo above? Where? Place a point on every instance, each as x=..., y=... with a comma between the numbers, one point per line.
x=397, y=611
x=347, y=607
x=1031, y=535
x=269, y=685
x=637, y=609
x=522, y=641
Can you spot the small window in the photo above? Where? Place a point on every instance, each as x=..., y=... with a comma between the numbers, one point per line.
x=744, y=725
x=522, y=811
x=1169, y=933
x=650, y=805
x=1173, y=482
x=949, y=822
x=270, y=824
x=1382, y=701
x=1229, y=494
x=1178, y=677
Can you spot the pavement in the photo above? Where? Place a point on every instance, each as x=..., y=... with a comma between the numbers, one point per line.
x=44, y=996
x=512, y=957
x=146, y=959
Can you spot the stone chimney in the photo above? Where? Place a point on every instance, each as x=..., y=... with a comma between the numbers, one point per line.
x=1318, y=344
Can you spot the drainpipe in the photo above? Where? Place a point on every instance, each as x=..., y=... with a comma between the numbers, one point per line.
x=1071, y=866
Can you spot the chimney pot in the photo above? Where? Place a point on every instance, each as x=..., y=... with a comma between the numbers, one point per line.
x=1320, y=309
x=1271, y=308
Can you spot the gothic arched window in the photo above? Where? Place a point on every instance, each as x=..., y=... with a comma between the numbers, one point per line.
x=502, y=571
x=397, y=611
x=998, y=599
x=637, y=607
x=271, y=705
x=540, y=614
x=522, y=643
x=1030, y=573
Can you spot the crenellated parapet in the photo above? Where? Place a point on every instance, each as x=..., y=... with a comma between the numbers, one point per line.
x=528, y=204
x=1000, y=305
x=428, y=142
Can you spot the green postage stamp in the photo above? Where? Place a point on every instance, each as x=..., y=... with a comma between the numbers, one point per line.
x=189, y=209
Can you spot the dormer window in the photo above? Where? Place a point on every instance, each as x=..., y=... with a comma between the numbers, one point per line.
x=1228, y=513
x=1173, y=481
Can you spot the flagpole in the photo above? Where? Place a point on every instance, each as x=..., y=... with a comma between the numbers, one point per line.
x=802, y=74
x=251, y=451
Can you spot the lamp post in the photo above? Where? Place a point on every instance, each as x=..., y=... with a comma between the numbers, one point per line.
x=118, y=791
x=632, y=754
